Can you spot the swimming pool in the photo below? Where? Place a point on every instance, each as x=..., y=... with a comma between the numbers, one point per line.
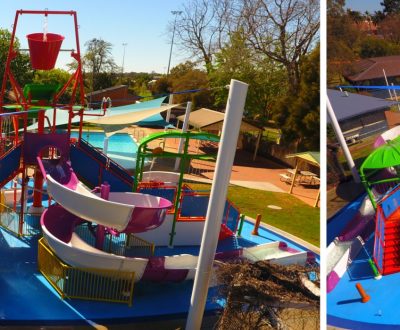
x=121, y=146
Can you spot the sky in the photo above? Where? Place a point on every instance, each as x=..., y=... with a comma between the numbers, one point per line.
x=140, y=24
x=364, y=5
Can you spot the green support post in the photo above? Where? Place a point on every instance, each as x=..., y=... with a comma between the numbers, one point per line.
x=239, y=232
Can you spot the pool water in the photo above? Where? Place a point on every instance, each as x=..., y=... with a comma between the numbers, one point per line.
x=121, y=146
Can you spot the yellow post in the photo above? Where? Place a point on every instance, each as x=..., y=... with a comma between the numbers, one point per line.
x=317, y=199
x=294, y=178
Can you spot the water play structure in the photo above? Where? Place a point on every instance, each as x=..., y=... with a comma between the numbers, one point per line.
x=363, y=245
x=78, y=224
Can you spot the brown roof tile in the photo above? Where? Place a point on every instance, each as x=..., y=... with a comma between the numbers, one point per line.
x=372, y=68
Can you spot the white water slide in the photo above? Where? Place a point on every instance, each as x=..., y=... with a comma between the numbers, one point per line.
x=128, y=212
x=58, y=224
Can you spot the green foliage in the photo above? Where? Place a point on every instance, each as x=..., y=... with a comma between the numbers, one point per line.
x=20, y=65
x=390, y=6
x=100, y=63
x=266, y=78
x=186, y=76
x=298, y=114
x=161, y=86
x=55, y=76
x=374, y=47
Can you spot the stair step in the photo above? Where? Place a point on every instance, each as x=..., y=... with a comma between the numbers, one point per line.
x=392, y=225
x=391, y=253
x=392, y=243
x=392, y=240
x=390, y=270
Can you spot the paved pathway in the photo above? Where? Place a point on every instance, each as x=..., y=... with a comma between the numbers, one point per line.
x=260, y=174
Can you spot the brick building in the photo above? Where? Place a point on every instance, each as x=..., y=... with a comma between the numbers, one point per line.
x=119, y=95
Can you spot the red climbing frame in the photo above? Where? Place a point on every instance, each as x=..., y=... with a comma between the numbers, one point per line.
x=76, y=79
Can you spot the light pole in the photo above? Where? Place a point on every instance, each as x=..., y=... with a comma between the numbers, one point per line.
x=123, y=60
x=176, y=13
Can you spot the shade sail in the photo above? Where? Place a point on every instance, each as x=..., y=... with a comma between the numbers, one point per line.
x=311, y=157
x=128, y=118
x=120, y=117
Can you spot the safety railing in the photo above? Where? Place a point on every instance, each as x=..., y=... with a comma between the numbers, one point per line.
x=138, y=134
x=200, y=168
x=139, y=247
x=105, y=163
x=160, y=190
x=117, y=243
x=84, y=283
x=11, y=220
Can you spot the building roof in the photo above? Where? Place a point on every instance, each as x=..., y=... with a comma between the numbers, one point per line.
x=206, y=118
x=349, y=105
x=372, y=68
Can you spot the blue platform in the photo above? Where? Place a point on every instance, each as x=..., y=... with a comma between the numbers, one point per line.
x=344, y=306
x=27, y=298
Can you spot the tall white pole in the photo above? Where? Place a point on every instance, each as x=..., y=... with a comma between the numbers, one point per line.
x=184, y=129
x=123, y=61
x=395, y=96
x=342, y=141
x=176, y=13
x=223, y=168
x=171, y=101
x=105, y=145
x=387, y=83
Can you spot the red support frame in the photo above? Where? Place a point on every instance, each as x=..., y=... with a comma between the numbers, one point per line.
x=77, y=77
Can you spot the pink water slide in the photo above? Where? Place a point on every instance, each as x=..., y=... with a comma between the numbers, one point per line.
x=123, y=211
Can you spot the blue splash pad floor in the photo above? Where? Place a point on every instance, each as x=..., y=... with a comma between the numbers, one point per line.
x=27, y=298
x=344, y=306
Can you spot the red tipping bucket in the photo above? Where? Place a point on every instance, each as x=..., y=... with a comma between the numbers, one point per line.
x=44, y=53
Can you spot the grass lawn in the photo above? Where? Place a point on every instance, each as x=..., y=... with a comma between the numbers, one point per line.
x=296, y=217
x=359, y=152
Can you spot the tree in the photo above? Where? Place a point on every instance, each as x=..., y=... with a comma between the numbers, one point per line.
x=20, y=66
x=389, y=28
x=391, y=6
x=374, y=47
x=97, y=59
x=343, y=39
x=186, y=77
x=283, y=30
x=298, y=115
x=237, y=61
x=203, y=28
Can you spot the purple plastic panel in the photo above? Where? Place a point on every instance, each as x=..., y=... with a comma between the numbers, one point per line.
x=145, y=219
x=35, y=143
x=156, y=271
x=59, y=222
x=331, y=281
x=59, y=170
x=360, y=225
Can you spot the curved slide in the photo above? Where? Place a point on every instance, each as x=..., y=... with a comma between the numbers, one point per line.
x=58, y=229
x=389, y=135
x=131, y=213
x=125, y=212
